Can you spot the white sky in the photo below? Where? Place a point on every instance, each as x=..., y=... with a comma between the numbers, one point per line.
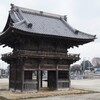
x=83, y=15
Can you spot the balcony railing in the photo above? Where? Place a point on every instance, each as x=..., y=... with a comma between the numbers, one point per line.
x=26, y=53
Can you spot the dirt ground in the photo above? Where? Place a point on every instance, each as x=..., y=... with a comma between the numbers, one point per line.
x=41, y=94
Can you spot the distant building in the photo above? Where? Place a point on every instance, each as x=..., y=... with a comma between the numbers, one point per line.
x=3, y=73
x=96, y=61
x=0, y=73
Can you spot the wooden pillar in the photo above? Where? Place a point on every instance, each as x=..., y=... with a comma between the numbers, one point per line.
x=57, y=77
x=10, y=77
x=22, y=77
x=38, y=80
x=22, y=80
x=15, y=77
x=39, y=75
x=41, y=78
x=69, y=76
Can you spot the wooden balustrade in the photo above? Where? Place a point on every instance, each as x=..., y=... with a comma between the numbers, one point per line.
x=26, y=53
x=30, y=86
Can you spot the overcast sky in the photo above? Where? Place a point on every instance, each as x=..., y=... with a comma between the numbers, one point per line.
x=83, y=15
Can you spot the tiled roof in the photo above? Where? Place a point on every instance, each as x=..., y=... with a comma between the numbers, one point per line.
x=39, y=22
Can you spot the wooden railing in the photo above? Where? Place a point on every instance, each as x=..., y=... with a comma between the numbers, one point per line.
x=39, y=54
x=30, y=85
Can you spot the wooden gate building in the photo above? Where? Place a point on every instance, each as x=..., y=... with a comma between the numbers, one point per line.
x=40, y=42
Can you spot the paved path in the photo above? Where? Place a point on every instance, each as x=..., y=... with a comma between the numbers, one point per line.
x=4, y=83
x=87, y=84
x=95, y=96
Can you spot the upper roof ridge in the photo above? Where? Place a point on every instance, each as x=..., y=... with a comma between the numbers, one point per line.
x=41, y=13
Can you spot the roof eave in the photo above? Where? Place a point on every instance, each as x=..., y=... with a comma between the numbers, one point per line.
x=55, y=36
